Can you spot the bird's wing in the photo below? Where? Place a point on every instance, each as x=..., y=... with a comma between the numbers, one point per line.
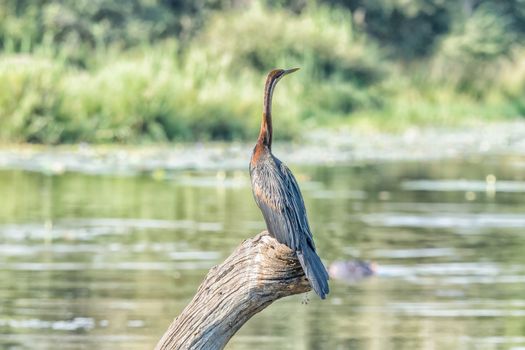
x=277, y=194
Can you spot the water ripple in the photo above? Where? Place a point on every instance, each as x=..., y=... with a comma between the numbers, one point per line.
x=78, y=323
x=414, y=253
x=464, y=185
x=88, y=229
x=451, y=310
x=125, y=266
x=448, y=220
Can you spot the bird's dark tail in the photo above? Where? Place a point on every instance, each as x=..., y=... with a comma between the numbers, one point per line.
x=314, y=270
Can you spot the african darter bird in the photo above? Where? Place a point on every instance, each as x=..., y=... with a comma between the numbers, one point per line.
x=278, y=196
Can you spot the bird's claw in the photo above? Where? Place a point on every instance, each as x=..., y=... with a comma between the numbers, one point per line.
x=305, y=300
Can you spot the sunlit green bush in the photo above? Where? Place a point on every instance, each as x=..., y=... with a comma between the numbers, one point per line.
x=30, y=98
x=79, y=71
x=320, y=40
x=336, y=64
x=150, y=97
x=475, y=50
x=213, y=90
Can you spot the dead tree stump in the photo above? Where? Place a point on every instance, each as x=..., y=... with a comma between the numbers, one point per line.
x=259, y=271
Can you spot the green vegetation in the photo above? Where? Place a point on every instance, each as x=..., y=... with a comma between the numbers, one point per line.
x=149, y=71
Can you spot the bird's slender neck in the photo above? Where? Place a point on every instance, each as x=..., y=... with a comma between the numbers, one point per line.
x=265, y=135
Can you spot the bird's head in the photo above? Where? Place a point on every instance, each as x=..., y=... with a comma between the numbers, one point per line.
x=276, y=74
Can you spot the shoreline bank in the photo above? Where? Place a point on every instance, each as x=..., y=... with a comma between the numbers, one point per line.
x=319, y=147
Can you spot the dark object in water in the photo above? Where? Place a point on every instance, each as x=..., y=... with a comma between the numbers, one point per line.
x=278, y=196
x=352, y=271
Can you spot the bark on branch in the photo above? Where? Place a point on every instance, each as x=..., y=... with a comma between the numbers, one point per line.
x=259, y=271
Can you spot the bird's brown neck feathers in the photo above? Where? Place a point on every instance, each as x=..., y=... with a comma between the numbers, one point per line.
x=265, y=135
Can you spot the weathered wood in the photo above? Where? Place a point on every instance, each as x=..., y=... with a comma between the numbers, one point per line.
x=259, y=271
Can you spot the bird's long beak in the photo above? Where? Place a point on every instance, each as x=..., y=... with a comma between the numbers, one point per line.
x=288, y=71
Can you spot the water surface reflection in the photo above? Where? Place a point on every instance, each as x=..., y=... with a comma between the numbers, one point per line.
x=105, y=262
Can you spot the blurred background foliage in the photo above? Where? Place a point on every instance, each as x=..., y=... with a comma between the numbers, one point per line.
x=166, y=70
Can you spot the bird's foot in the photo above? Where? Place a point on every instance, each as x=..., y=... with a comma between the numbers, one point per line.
x=305, y=300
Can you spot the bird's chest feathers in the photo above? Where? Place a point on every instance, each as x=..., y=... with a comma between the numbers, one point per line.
x=259, y=155
x=265, y=188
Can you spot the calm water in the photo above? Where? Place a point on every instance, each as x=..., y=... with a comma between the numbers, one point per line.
x=106, y=262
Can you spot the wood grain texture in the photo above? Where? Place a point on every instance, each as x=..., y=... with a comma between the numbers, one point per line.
x=258, y=272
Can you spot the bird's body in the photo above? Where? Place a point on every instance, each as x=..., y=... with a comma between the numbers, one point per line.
x=277, y=194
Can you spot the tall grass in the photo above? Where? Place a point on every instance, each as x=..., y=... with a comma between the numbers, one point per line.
x=211, y=89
